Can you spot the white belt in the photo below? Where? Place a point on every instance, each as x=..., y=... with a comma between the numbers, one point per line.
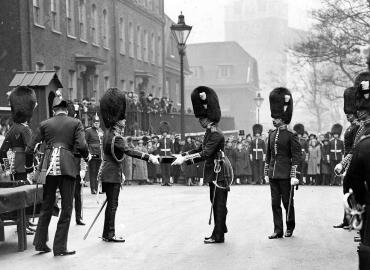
x=165, y=149
x=336, y=151
x=258, y=150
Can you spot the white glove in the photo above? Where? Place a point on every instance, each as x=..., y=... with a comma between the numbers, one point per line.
x=338, y=168
x=89, y=157
x=82, y=174
x=267, y=180
x=179, y=160
x=294, y=181
x=153, y=159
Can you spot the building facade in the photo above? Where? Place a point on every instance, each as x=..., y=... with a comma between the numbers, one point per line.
x=91, y=44
x=232, y=72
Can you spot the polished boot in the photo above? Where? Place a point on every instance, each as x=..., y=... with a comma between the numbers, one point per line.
x=79, y=222
x=64, y=253
x=114, y=239
x=276, y=236
x=214, y=240
x=288, y=233
x=43, y=249
x=341, y=226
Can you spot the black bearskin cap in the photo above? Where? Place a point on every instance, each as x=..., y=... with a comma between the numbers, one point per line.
x=349, y=96
x=279, y=98
x=22, y=103
x=337, y=129
x=257, y=128
x=299, y=128
x=205, y=104
x=112, y=107
x=362, y=95
x=164, y=127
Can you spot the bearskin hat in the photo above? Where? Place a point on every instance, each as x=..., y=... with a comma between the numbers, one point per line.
x=205, y=104
x=349, y=97
x=257, y=128
x=362, y=95
x=337, y=129
x=112, y=107
x=22, y=103
x=281, y=104
x=164, y=127
x=299, y=129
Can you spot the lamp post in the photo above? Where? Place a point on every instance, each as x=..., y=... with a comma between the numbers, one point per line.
x=180, y=32
x=258, y=100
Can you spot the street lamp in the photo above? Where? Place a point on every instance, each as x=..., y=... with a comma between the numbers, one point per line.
x=180, y=32
x=258, y=99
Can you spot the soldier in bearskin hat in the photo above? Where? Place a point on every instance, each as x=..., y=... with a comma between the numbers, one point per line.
x=258, y=151
x=299, y=130
x=358, y=173
x=349, y=108
x=112, y=111
x=62, y=135
x=165, y=148
x=336, y=152
x=94, y=139
x=283, y=156
x=22, y=103
x=217, y=168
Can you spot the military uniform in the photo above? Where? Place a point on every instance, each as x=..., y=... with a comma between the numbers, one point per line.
x=61, y=135
x=206, y=106
x=283, y=157
x=94, y=137
x=112, y=110
x=165, y=148
x=336, y=147
x=258, y=150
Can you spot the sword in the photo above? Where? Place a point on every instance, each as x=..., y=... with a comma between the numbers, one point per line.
x=290, y=201
x=92, y=224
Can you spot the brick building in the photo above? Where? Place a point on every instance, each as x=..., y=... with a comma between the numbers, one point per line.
x=232, y=72
x=91, y=44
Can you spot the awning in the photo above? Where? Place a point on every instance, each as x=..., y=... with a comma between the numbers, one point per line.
x=35, y=78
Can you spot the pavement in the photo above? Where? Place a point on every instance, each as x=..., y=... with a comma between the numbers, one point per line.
x=164, y=229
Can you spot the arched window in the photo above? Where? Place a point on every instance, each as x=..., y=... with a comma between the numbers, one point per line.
x=105, y=29
x=94, y=24
x=82, y=19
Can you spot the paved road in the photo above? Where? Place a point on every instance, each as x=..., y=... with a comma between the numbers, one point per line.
x=164, y=229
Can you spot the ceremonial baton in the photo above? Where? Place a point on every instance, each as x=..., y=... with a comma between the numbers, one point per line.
x=34, y=202
x=82, y=200
x=217, y=170
x=290, y=200
x=92, y=224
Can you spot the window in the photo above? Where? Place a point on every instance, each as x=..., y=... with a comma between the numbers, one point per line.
x=96, y=87
x=159, y=51
x=196, y=71
x=146, y=45
x=248, y=74
x=132, y=87
x=167, y=86
x=94, y=25
x=123, y=85
x=54, y=9
x=37, y=12
x=70, y=17
x=152, y=49
x=106, y=83
x=223, y=71
x=82, y=19
x=138, y=43
x=150, y=4
x=122, y=36
x=131, y=39
x=39, y=66
x=72, y=83
x=105, y=28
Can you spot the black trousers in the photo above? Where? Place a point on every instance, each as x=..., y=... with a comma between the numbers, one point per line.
x=77, y=196
x=112, y=192
x=280, y=192
x=219, y=210
x=166, y=173
x=94, y=165
x=334, y=180
x=66, y=185
x=257, y=167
